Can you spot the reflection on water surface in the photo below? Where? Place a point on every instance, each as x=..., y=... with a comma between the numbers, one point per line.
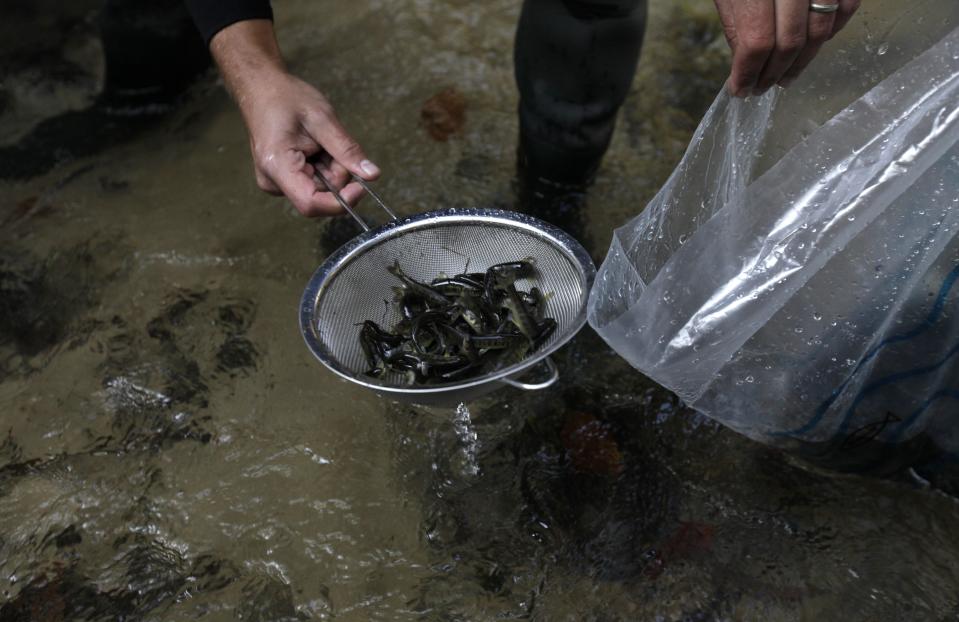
x=169, y=450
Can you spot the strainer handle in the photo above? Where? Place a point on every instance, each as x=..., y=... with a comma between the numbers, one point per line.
x=536, y=386
x=318, y=176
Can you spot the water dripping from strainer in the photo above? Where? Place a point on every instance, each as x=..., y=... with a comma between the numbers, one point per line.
x=469, y=443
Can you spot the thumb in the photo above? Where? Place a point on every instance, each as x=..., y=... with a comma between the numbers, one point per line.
x=330, y=134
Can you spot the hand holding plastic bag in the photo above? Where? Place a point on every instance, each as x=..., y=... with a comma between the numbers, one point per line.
x=796, y=276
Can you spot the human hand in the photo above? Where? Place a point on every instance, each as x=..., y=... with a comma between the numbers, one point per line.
x=294, y=131
x=774, y=40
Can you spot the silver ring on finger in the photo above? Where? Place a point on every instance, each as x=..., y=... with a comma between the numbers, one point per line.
x=817, y=7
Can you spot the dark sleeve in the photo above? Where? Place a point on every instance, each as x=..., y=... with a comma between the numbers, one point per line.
x=212, y=16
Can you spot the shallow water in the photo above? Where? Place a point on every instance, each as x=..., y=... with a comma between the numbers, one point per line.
x=169, y=450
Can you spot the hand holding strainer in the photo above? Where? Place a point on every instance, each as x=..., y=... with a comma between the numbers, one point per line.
x=353, y=285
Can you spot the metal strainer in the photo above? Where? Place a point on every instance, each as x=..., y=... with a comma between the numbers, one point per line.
x=353, y=285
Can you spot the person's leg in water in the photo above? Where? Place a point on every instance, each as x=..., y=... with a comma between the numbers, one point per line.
x=575, y=61
x=152, y=53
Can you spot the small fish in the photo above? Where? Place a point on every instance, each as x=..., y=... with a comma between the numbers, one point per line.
x=518, y=313
x=505, y=274
x=425, y=292
x=411, y=304
x=468, y=307
x=373, y=357
x=458, y=326
x=425, y=323
x=536, y=302
x=513, y=354
x=474, y=280
x=376, y=344
x=462, y=341
x=452, y=287
x=497, y=342
x=546, y=329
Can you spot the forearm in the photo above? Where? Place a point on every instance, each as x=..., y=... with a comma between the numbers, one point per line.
x=248, y=57
x=294, y=133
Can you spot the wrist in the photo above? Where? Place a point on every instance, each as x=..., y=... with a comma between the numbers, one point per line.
x=248, y=57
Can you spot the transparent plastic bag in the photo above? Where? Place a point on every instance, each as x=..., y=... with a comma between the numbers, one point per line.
x=797, y=278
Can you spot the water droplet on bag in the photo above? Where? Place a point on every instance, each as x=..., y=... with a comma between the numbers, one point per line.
x=882, y=49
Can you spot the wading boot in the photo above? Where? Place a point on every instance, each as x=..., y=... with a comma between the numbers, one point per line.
x=152, y=53
x=552, y=186
x=574, y=62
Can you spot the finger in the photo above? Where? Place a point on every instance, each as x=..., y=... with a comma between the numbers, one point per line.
x=818, y=32
x=334, y=173
x=288, y=171
x=325, y=204
x=263, y=182
x=352, y=193
x=846, y=10
x=336, y=177
x=791, y=26
x=266, y=184
x=755, y=24
x=725, y=11
x=326, y=130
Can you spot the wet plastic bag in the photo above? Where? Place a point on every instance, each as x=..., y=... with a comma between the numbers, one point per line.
x=797, y=278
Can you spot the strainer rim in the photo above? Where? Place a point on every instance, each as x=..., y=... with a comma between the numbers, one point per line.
x=343, y=255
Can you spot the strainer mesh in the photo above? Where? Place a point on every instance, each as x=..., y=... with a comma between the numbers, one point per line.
x=362, y=289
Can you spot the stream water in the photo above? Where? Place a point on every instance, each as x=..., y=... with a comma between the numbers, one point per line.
x=169, y=450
